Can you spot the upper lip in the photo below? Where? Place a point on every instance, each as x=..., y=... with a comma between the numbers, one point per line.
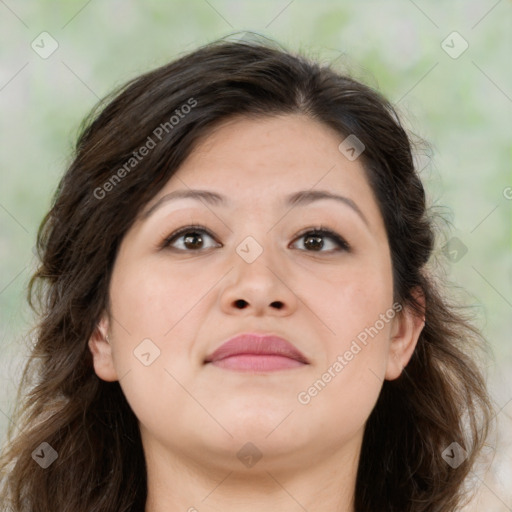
x=258, y=344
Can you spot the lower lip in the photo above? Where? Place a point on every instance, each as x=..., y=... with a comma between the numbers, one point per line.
x=253, y=362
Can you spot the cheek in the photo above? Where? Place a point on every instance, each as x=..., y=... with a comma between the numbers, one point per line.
x=157, y=312
x=357, y=307
x=349, y=299
x=152, y=300
x=348, y=376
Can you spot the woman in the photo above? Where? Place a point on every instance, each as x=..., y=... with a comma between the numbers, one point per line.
x=238, y=309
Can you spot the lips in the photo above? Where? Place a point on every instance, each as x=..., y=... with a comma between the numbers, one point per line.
x=252, y=351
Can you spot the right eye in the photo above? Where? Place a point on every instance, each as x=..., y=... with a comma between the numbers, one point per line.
x=192, y=238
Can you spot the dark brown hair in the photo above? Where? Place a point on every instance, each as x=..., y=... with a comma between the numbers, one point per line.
x=440, y=397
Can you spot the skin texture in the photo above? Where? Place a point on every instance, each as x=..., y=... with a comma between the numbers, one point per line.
x=195, y=417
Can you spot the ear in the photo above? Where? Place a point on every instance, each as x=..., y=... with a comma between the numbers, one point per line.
x=101, y=351
x=407, y=327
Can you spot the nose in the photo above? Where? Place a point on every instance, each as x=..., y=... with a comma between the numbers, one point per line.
x=259, y=288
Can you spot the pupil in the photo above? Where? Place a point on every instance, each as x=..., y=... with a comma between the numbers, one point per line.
x=317, y=244
x=195, y=236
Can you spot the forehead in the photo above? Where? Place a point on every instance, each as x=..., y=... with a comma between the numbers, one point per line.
x=271, y=156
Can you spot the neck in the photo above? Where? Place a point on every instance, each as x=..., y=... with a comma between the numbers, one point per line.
x=176, y=483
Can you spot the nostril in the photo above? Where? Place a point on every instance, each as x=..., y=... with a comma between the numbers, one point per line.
x=240, y=303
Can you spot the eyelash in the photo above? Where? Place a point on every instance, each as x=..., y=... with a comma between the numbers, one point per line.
x=319, y=230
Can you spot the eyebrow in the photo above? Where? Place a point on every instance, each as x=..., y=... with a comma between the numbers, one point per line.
x=300, y=198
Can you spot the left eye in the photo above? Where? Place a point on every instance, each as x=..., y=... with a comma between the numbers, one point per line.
x=314, y=240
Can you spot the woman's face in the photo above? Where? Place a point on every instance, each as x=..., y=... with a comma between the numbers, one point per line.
x=256, y=268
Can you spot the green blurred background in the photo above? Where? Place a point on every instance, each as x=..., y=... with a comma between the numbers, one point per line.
x=459, y=99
